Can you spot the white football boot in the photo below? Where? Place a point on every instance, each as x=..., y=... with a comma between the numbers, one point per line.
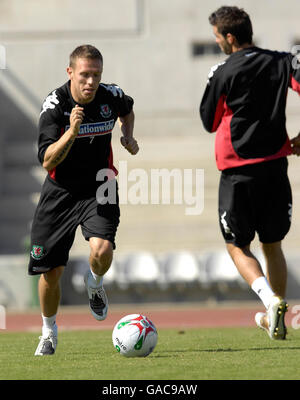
x=48, y=342
x=273, y=320
x=261, y=321
x=97, y=297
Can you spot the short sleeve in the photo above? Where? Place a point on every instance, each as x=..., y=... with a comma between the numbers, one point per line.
x=49, y=127
x=126, y=105
x=122, y=101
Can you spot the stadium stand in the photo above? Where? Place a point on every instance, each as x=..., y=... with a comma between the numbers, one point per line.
x=18, y=157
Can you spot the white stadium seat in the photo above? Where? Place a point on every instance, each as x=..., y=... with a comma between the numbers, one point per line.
x=180, y=268
x=139, y=268
x=222, y=271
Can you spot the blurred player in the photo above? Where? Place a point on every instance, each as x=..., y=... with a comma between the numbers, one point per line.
x=75, y=127
x=245, y=101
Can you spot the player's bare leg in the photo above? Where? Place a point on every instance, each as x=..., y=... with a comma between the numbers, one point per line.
x=101, y=255
x=250, y=269
x=245, y=262
x=100, y=261
x=276, y=271
x=49, y=291
x=276, y=267
x=49, y=295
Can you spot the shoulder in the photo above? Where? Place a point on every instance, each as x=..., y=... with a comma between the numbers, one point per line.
x=274, y=54
x=111, y=89
x=55, y=99
x=216, y=71
x=285, y=61
x=114, y=95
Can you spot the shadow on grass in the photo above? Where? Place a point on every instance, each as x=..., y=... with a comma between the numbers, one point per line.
x=252, y=349
x=229, y=350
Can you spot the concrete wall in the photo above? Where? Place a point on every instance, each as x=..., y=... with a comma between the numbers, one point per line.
x=147, y=49
x=146, y=44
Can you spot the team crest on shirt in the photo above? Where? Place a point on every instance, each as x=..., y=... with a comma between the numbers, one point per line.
x=37, y=252
x=105, y=111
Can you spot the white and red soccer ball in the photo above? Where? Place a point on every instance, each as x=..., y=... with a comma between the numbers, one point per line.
x=134, y=335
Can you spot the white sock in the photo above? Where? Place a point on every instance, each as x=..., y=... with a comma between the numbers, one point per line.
x=263, y=290
x=97, y=278
x=49, y=322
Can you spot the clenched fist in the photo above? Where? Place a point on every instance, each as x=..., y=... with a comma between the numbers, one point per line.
x=76, y=118
x=130, y=144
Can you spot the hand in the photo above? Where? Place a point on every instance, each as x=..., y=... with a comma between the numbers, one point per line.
x=295, y=142
x=76, y=118
x=130, y=144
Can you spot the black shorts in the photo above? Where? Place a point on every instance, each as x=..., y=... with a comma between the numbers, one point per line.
x=255, y=198
x=55, y=222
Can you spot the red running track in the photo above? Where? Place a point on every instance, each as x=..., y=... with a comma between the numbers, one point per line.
x=181, y=317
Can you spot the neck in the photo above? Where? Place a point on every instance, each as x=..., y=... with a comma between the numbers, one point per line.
x=74, y=95
x=238, y=47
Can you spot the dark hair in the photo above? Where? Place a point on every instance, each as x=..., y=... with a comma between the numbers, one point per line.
x=85, y=51
x=233, y=20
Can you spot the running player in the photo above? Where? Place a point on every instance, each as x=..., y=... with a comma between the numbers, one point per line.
x=245, y=102
x=75, y=129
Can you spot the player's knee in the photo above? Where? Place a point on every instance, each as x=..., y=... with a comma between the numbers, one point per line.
x=101, y=256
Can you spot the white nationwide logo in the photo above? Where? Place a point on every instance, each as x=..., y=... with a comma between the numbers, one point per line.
x=160, y=187
x=50, y=102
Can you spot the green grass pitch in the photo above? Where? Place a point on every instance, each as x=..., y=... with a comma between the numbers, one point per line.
x=197, y=354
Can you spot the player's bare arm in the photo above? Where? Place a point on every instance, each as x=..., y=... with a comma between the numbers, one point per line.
x=59, y=150
x=127, y=140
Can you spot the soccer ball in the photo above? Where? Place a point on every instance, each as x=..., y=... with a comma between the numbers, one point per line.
x=134, y=336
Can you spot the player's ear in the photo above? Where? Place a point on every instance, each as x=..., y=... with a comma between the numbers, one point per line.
x=70, y=72
x=230, y=38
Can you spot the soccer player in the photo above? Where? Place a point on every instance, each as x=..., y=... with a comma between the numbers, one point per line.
x=244, y=102
x=75, y=128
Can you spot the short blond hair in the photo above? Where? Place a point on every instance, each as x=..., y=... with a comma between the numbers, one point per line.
x=85, y=51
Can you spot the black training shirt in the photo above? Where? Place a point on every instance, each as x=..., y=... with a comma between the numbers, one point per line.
x=91, y=150
x=245, y=101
